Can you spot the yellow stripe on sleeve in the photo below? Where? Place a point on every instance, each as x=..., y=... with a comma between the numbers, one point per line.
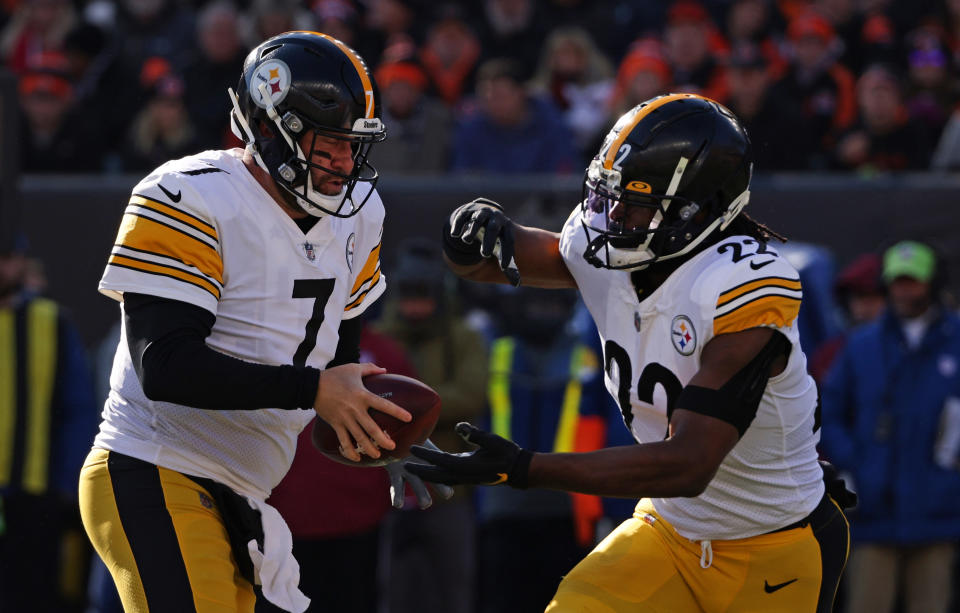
x=182, y=216
x=146, y=235
x=165, y=271
x=370, y=270
x=779, y=311
x=750, y=286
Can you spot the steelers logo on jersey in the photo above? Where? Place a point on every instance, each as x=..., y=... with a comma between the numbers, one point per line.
x=683, y=335
x=351, y=247
x=274, y=75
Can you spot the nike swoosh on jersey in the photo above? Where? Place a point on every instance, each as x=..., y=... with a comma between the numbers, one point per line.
x=756, y=266
x=501, y=478
x=174, y=198
x=773, y=588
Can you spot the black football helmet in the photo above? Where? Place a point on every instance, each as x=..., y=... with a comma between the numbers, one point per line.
x=682, y=155
x=307, y=82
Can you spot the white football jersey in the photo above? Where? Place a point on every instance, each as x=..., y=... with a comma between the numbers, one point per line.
x=202, y=230
x=652, y=348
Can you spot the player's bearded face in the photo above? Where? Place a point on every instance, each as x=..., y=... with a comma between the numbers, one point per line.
x=329, y=153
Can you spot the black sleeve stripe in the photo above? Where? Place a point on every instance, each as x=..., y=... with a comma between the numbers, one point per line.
x=161, y=274
x=358, y=299
x=190, y=215
x=772, y=278
x=180, y=230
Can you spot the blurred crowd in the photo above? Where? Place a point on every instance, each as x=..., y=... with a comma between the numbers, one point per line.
x=506, y=86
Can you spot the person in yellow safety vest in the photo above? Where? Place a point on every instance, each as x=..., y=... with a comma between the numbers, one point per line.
x=545, y=392
x=47, y=416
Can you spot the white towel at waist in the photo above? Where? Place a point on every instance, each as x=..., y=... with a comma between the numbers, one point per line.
x=275, y=568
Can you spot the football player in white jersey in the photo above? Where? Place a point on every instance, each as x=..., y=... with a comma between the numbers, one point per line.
x=697, y=315
x=241, y=276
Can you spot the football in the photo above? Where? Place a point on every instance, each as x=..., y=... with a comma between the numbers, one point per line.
x=416, y=397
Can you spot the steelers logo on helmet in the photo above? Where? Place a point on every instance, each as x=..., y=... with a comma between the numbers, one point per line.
x=273, y=78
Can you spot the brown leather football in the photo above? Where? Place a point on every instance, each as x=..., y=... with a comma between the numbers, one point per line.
x=416, y=397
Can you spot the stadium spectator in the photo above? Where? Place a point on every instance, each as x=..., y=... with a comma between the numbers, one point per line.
x=932, y=89
x=511, y=131
x=47, y=406
x=420, y=126
x=336, y=527
x=751, y=23
x=52, y=137
x=104, y=95
x=947, y=154
x=162, y=131
x=576, y=76
x=884, y=411
x=691, y=45
x=430, y=560
x=512, y=29
x=36, y=28
x=338, y=18
x=155, y=28
x=774, y=125
x=450, y=54
x=642, y=74
x=885, y=137
x=545, y=393
x=861, y=297
x=822, y=88
x=215, y=68
x=384, y=21
x=267, y=18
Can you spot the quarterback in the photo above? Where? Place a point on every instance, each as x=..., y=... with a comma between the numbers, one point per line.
x=697, y=316
x=241, y=275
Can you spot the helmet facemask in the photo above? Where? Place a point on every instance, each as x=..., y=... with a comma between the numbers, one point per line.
x=613, y=245
x=280, y=150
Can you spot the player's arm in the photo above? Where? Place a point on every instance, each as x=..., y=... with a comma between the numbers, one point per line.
x=481, y=243
x=166, y=342
x=712, y=413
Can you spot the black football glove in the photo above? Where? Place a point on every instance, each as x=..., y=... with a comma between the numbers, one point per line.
x=478, y=230
x=496, y=461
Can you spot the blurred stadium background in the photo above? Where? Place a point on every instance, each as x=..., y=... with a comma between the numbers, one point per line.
x=852, y=106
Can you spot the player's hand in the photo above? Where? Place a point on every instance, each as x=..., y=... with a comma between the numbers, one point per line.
x=496, y=461
x=478, y=230
x=343, y=402
x=399, y=477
